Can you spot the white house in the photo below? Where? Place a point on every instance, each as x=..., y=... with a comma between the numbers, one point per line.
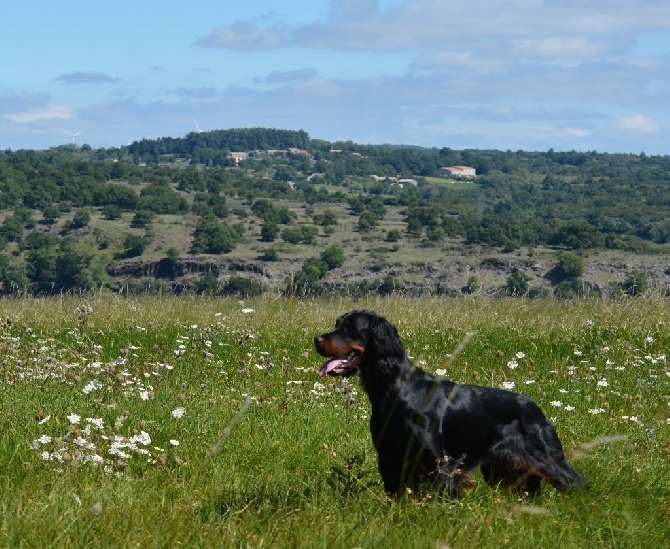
x=457, y=171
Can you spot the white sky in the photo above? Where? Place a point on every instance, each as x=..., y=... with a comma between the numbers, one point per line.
x=504, y=74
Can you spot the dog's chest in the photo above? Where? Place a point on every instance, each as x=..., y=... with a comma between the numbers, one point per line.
x=401, y=424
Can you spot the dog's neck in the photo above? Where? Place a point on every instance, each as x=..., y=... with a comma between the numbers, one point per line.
x=381, y=377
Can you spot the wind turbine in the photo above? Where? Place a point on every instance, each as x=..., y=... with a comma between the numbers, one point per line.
x=197, y=128
x=73, y=135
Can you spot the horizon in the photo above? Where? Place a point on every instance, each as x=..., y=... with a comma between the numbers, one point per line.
x=537, y=76
x=79, y=146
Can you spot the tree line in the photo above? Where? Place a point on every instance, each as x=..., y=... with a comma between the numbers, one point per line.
x=568, y=200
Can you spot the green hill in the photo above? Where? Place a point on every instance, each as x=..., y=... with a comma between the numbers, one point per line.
x=187, y=215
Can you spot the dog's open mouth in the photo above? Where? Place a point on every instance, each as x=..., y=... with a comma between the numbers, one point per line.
x=341, y=365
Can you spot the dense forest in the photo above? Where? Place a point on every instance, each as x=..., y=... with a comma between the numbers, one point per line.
x=72, y=217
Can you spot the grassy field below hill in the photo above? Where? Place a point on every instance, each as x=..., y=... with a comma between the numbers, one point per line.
x=165, y=422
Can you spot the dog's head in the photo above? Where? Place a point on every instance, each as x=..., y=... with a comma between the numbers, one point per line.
x=360, y=339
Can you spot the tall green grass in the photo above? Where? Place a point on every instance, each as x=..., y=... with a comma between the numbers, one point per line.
x=248, y=447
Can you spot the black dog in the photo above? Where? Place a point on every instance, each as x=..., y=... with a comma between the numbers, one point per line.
x=423, y=426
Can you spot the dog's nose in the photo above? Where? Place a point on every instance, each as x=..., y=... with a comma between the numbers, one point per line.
x=318, y=340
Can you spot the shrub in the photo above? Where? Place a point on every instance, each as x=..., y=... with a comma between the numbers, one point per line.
x=243, y=287
x=80, y=219
x=212, y=236
x=636, y=283
x=516, y=285
x=570, y=266
x=134, y=245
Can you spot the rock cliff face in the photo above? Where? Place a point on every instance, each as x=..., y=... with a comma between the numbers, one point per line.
x=165, y=268
x=448, y=276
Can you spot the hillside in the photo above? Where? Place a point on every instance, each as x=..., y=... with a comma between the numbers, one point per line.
x=246, y=211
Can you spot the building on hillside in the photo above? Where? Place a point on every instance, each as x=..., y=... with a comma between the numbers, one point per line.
x=392, y=180
x=457, y=171
x=238, y=156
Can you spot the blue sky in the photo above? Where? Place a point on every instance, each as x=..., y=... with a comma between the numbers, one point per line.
x=502, y=74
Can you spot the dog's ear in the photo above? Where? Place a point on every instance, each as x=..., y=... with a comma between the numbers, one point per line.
x=385, y=339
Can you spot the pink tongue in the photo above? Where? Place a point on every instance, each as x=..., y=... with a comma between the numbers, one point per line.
x=331, y=364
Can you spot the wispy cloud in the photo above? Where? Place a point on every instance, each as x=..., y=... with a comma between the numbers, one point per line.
x=86, y=78
x=247, y=36
x=16, y=102
x=638, y=124
x=284, y=77
x=34, y=115
x=568, y=27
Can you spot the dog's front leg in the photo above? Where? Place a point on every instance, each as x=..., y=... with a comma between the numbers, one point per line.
x=390, y=464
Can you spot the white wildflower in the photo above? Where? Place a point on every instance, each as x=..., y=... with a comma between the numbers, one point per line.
x=93, y=385
x=142, y=438
x=44, y=439
x=96, y=422
x=116, y=449
x=178, y=412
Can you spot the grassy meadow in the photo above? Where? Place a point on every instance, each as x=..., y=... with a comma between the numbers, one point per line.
x=166, y=422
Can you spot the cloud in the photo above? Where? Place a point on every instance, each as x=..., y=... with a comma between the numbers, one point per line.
x=86, y=78
x=198, y=93
x=569, y=27
x=246, y=36
x=284, y=77
x=638, y=124
x=13, y=102
x=34, y=115
x=561, y=47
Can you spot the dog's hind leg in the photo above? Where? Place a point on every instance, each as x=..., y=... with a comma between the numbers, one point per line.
x=451, y=475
